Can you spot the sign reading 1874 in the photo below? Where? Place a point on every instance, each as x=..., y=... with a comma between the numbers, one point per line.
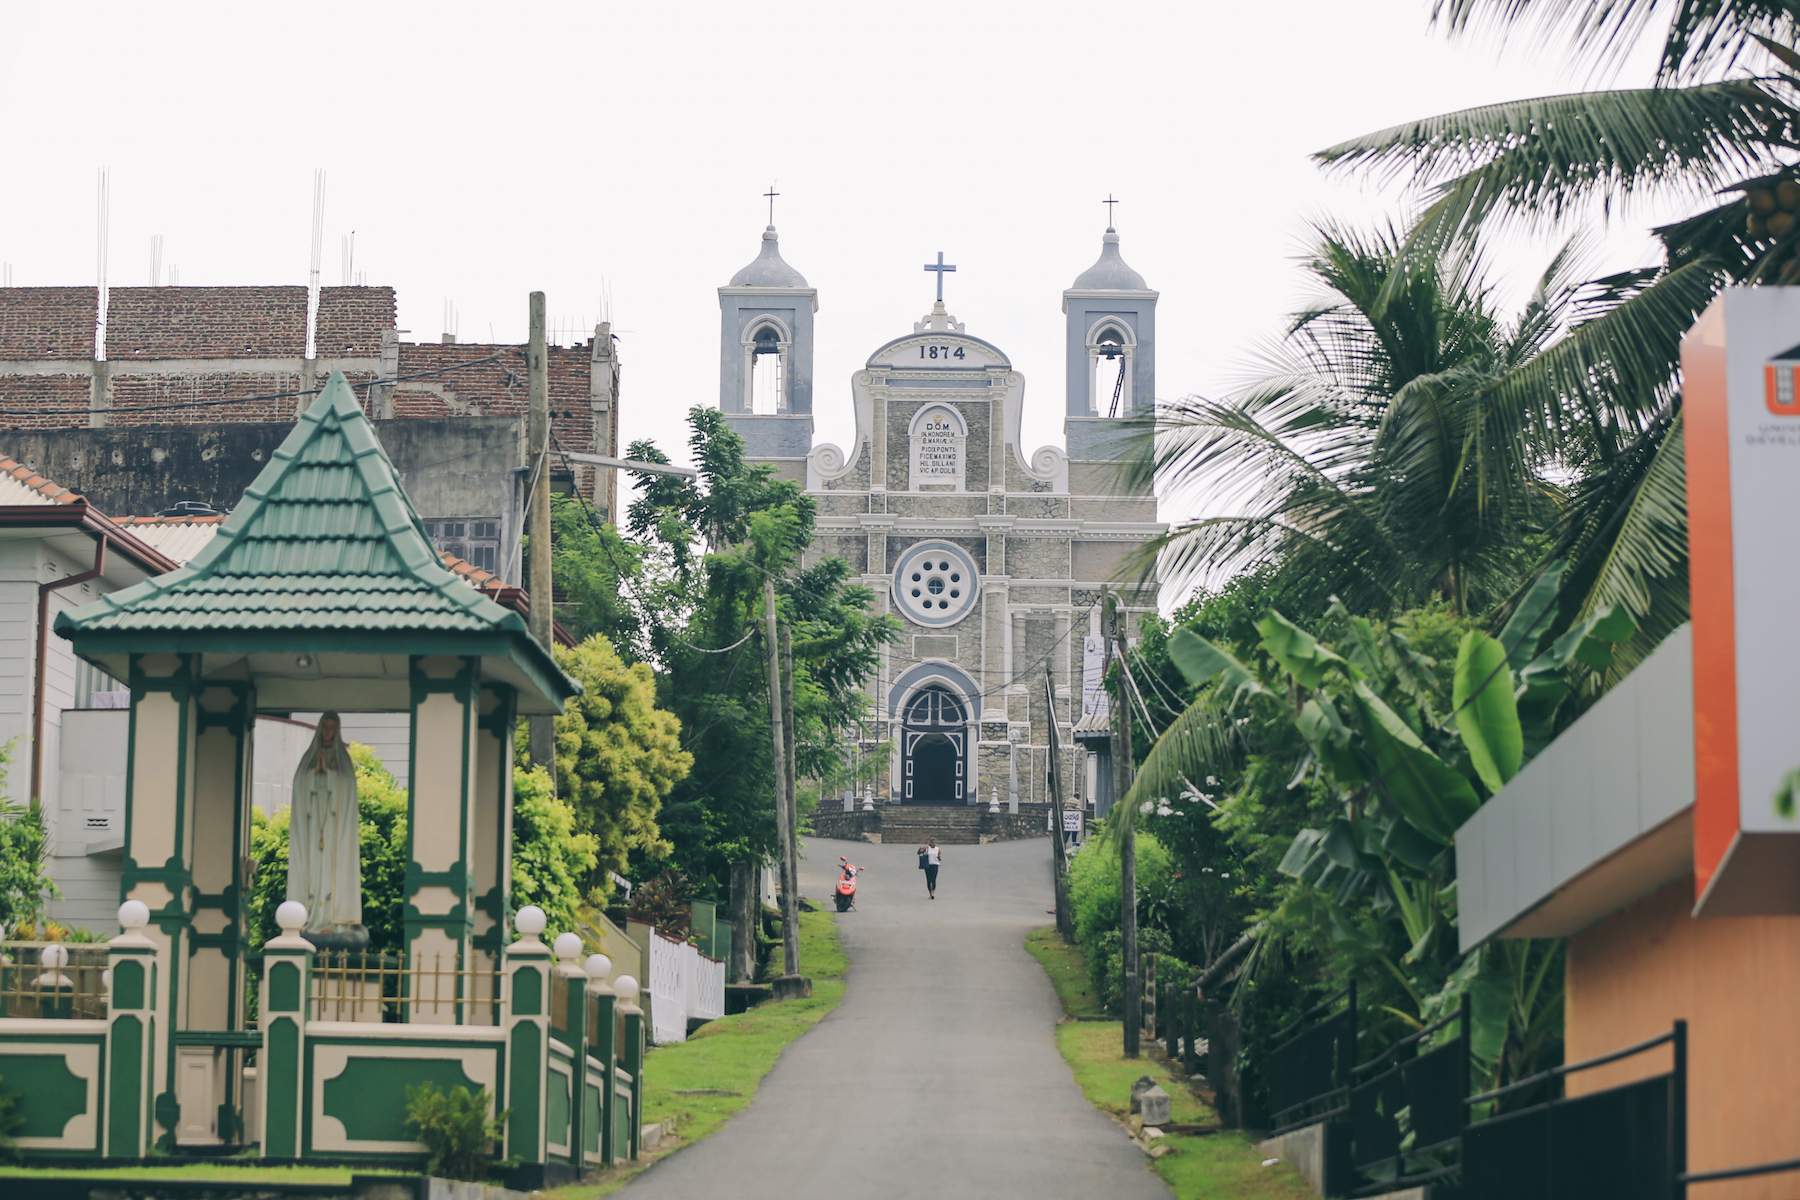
x=950, y=352
x=938, y=438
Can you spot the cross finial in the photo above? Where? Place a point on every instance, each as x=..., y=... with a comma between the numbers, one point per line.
x=771, y=194
x=1109, y=202
x=940, y=267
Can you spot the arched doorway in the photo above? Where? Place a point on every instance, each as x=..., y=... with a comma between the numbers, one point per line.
x=935, y=741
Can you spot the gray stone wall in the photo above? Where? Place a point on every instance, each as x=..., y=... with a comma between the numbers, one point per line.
x=451, y=466
x=1037, y=558
x=1047, y=508
x=976, y=414
x=1099, y=561
x=937, y=504
x=853, y=548
x=1018, y=480
x=1113, y=508
x=842, y=504
x=856, y=479
x=976, y=546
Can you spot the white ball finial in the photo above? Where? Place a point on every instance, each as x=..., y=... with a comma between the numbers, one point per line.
x=291, y=916
x=54, y=956
x=598, y=967
x=530, y=921
x=567, y=946
x=626, y=987
x=134, y=915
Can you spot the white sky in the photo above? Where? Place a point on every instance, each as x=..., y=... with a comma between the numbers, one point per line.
x=479, y=154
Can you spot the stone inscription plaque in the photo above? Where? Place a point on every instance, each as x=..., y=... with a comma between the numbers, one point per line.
x=938, y=441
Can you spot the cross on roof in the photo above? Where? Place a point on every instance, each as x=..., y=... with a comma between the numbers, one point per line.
x=1109, y=202
x=940, y=267
x=771, y=194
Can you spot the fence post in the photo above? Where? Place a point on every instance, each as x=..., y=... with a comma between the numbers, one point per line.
x=281, y=1074
x=527, y=1021
x=1190, y=1054
x=1147, y=997
x=1678, y=1111
x=130, y=1001
x=570, y=980
x=605, y=1049
x=634, y=1065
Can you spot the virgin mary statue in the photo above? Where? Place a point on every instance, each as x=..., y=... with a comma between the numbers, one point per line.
x=324, y=860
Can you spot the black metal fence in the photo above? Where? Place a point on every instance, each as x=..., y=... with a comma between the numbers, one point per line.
x=1309, y=1074
x=1427, y=1086
x=1629, y=1140
x=1406, y=1116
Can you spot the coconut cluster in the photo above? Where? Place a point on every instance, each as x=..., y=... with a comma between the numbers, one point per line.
x=1773, y=207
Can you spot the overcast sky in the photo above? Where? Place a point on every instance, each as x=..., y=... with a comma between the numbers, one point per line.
x=483, y=151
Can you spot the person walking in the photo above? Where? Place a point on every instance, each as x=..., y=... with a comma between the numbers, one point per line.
x=931, y=857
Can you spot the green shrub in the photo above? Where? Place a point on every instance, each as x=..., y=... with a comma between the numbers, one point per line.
x=1094, y=882
x=1094, y=903
x=24, y=855
x=455, y=1128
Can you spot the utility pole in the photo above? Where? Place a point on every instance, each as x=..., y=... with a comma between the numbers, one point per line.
x=1128, y=932
x=1059, y=854
x=790, y=730
x=537, y=368
x=790, y=900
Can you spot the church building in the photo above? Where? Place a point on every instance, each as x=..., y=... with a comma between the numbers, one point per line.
x=992, y=557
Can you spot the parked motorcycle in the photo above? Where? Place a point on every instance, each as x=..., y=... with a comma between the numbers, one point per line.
x=845, y=893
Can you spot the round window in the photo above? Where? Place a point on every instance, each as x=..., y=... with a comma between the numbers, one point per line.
x=935, y=584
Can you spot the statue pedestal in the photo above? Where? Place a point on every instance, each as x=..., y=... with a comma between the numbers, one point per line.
x=339, y=941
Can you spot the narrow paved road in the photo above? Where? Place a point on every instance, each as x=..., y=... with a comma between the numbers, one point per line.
x=938, y=1077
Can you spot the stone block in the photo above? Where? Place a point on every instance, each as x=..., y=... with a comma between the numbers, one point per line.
x=1153, y=1105
x=1144, y=1083
x=791, y=987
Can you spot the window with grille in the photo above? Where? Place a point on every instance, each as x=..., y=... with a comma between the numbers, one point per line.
x=476, y=541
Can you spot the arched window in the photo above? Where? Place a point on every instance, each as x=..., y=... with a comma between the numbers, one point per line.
x=768, y=394
x=1111, y=348
x=935, y=708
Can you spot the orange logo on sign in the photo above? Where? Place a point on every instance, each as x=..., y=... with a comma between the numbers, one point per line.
x=1779, y=392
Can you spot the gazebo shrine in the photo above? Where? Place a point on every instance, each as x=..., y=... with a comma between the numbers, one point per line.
x=321, y=591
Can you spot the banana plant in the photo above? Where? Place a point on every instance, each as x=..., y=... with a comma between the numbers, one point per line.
x=1407, y=766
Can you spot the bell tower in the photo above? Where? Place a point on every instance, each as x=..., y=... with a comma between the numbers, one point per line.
x=765, y=355
x=1111, y=357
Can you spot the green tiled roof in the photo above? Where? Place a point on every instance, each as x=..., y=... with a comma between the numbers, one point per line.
x=325, y=549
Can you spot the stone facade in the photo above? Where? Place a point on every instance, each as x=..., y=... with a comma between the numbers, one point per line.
x=936, y=483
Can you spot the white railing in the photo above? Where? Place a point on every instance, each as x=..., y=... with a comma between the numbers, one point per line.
x=684, y=985
x=709, y=987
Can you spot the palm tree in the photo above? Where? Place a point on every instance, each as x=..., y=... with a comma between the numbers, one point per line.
x=1609, y=392
x=1386, y=456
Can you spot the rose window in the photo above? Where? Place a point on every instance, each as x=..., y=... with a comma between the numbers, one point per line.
x=935, y=584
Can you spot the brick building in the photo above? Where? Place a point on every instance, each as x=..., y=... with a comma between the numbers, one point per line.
x=204, y=378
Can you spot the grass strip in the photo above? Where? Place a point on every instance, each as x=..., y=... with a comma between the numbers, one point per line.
x=730, y=1055
x=1067, y=968
x=1219, y=1166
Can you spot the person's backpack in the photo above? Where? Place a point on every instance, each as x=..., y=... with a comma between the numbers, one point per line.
x=924, y=857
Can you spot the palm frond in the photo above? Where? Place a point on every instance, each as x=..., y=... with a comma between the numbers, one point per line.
x=1604, y=382
x=1202, y=743
x=1627, y=529
x=1539, y=160
x=1701, y=34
